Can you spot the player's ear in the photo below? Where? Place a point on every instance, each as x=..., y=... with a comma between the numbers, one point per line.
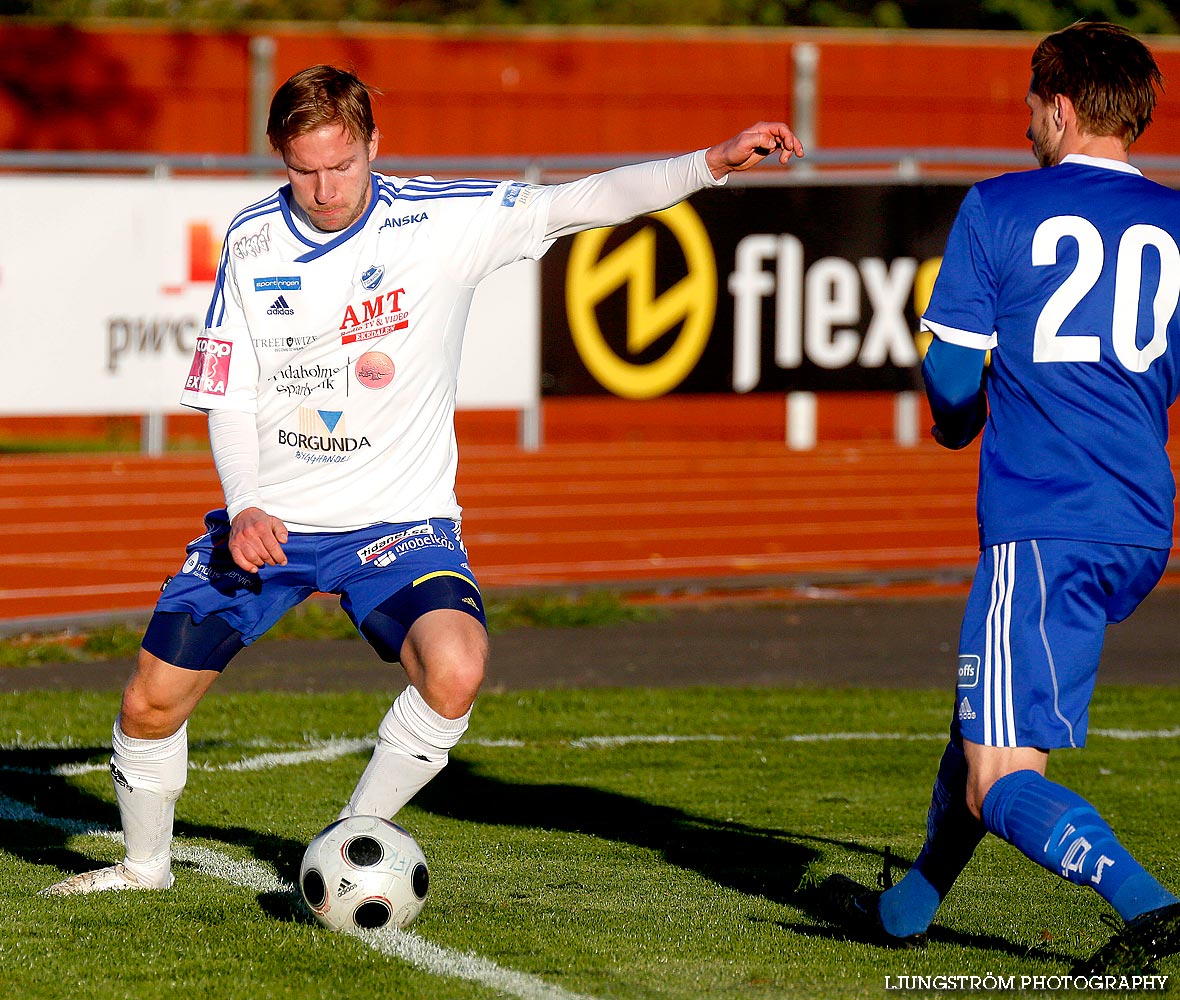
x=373, y=142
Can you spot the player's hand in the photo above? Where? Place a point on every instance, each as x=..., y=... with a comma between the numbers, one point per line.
x=751, y=147
x=256, y=539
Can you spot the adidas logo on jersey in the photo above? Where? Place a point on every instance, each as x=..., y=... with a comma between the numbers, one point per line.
x=280, y=308
x=471, y=601
x=966, y=712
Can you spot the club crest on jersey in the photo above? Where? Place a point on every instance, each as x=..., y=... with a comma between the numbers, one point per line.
x=254, y=245
x=375, y=317
x=372, y=276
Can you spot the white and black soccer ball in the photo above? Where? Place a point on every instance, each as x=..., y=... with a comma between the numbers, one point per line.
x=362, y=873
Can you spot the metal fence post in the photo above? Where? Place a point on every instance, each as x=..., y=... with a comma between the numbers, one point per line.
x=262, y=84
x=805, y=98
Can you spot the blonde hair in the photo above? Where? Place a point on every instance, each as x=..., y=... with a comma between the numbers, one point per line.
x=319, y=96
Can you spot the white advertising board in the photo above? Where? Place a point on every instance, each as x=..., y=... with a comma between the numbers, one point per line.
x=104, y=284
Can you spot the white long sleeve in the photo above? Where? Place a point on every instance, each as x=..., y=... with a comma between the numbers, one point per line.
x=233, y=439
x=616, y=195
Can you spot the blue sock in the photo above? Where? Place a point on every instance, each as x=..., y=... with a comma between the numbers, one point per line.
x=1063, y=833
x=952, y=834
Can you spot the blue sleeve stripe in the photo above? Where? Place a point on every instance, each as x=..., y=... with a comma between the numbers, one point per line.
x=216, y=314
x=441, y=195
x=469, y=184
x=265, y=207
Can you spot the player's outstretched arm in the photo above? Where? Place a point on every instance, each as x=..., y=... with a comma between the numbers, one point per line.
x=614, y=196
x=751, y=146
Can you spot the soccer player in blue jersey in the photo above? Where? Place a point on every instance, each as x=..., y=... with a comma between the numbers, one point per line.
x=328, y=368
x=1070, y=276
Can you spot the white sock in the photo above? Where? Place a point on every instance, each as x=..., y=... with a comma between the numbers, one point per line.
x=149, y=776
x=413, y=745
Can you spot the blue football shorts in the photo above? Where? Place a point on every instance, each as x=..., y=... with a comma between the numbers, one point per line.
x=386, y=575
x=1032, y=636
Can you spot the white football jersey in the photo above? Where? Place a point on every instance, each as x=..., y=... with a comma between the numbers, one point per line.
x=346, y=346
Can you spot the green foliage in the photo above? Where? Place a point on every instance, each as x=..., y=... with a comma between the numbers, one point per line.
x=1140, y=16
x=1143, y=16
x=560, y=611
x=110, y=642
x=633, y=844
x=28, y=651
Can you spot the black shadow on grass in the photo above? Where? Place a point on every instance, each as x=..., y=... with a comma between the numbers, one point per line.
x=759, y=861
x=769, y=863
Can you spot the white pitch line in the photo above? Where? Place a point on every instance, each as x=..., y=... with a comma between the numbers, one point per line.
x=336, y=748
x=252, y=874
x=330, y=750
x=474, y=968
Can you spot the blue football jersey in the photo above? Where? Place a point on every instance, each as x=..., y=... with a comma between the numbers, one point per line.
x=1070, y=275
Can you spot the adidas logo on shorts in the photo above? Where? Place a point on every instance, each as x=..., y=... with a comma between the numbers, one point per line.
x=966, y=712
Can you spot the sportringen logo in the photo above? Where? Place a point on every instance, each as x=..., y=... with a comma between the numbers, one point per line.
x=691, y=303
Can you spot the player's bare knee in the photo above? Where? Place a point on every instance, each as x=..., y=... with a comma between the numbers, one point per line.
x=449, y=677
x=143, y=717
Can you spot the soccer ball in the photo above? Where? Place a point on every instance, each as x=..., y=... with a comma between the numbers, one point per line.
x=364, y=872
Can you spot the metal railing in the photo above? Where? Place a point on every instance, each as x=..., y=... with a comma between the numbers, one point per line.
x=872, y=165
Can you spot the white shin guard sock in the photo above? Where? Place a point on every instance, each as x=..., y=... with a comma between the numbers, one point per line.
x=413, y=745
x=149, y=776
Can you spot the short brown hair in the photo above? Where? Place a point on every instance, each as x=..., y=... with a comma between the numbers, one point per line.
x=319, y=96
x=1109, y=75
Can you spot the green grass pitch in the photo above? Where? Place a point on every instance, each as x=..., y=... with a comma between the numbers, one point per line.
x=583, y=846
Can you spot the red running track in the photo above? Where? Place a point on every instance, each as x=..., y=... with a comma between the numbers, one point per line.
x=93, y=534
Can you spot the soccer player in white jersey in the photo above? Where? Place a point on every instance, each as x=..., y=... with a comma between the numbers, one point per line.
x=1070, y=276
x=328, y=368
